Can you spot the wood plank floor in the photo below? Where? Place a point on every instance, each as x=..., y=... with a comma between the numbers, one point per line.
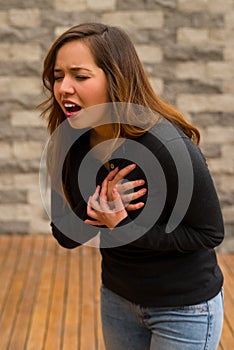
x=49, y=296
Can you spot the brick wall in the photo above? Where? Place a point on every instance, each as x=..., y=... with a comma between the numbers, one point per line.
x=187, y=48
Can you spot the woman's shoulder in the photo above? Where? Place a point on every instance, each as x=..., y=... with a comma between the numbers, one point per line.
x=164, y=134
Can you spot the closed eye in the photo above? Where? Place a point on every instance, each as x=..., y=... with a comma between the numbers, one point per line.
x=77, y=77
x=58, y=78
x=82, y=77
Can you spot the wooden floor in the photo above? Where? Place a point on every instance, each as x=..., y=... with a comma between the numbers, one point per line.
x=49, y=296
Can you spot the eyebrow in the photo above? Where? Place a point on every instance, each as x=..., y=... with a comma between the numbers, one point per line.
x=73, y=69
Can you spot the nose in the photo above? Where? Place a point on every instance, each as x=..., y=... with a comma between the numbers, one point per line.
x=66, y=86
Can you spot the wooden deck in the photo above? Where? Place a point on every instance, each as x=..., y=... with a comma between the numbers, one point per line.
x=49, y=296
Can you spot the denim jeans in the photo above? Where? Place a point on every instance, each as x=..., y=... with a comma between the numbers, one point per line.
x=127, y=326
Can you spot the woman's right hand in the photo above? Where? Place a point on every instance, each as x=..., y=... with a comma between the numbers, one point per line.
x=116, y=179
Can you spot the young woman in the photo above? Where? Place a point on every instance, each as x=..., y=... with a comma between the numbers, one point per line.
x=126, y=165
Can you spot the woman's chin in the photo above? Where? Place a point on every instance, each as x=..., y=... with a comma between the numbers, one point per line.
x=78, y=120
x=91, y=117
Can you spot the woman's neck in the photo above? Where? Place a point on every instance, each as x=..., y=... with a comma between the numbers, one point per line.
x=98, y=136
x=101, y=133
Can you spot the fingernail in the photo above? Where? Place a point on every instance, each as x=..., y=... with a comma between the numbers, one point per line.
x=114, y=190
x=141, y=182
x=132, y=166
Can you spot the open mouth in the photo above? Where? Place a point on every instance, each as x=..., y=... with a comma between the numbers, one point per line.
x=71, y=109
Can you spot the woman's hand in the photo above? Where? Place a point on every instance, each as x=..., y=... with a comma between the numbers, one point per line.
x=116, y=180
x=103, y=212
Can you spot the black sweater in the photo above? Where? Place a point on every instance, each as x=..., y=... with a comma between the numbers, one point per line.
x=163, y=254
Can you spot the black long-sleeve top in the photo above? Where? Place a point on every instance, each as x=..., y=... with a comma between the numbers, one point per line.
x=162, y=254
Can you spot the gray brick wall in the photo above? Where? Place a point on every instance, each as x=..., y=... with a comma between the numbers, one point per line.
x=187, y=48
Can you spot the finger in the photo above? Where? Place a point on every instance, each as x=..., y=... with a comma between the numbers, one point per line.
x=93, y=222
x=104, y=189
x=112, y=174
x=125, y=171
x=104, y=206
x=89, y=202
x=91, y=212
x=96, y=193
x=131, y=207
x=134, y=195
x=117, y=200
x=93, y=203
x=129, y=185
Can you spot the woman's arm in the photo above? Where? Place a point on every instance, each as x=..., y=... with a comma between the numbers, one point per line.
x=67, y=223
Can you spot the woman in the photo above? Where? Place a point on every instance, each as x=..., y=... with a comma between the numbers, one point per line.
x=162, y=286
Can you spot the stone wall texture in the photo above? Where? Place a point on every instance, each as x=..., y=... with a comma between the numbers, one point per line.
x=187, y=48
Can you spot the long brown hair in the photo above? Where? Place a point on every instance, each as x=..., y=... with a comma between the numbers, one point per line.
x=127, y=81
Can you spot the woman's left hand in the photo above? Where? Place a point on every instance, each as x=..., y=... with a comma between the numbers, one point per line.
x=103, y=212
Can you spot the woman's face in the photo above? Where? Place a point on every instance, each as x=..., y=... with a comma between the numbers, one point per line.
x=79, y=82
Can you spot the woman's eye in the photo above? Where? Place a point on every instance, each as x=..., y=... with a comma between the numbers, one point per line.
x=81, y=77
x=58, y=78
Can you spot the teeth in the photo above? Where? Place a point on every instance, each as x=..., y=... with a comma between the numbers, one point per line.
x=69, y=105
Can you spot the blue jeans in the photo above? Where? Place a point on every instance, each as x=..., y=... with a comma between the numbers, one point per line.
x=127, y=326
